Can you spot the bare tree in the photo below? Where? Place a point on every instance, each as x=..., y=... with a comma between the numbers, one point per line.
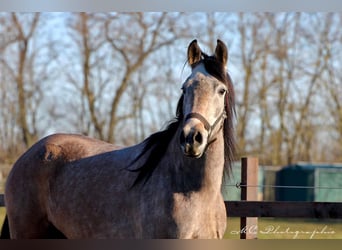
x=84, y=29
x=332, y=88
x=111, y=57
x=23, y=39
x=283, y=61
x=25, y=71
x=121, y=71
x=149, y=37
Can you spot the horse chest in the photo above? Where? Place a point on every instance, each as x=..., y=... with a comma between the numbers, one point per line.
x=198, y=217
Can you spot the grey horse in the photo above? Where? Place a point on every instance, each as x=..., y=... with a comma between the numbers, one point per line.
x=168, y=186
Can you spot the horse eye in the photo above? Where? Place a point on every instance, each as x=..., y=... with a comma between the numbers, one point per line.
x=222, y=91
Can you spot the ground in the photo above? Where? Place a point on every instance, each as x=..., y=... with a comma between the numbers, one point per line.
x=270, y=228
x=275, y=228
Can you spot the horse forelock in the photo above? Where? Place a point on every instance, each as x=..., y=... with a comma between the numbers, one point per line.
x=157, y=144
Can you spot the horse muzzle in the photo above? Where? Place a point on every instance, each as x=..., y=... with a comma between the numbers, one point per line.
x=193, y=139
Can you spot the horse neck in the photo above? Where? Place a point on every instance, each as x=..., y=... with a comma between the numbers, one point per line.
x=214, y=165
x=199, y=175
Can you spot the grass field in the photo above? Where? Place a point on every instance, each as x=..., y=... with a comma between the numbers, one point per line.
x=274, y=228
x=2, y=216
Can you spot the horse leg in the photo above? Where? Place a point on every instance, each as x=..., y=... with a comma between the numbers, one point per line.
x=28, y=228
x=22, y=228
x=31, y=224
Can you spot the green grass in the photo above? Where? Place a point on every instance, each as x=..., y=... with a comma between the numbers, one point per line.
x=276, y=228
x=282, y=228
x=2, y=216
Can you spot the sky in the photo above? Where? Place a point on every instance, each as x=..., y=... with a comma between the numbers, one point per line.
x=171, y=5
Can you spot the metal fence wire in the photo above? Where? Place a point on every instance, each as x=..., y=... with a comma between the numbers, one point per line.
x=239, y=185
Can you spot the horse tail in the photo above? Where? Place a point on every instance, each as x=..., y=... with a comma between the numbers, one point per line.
x=5, y=232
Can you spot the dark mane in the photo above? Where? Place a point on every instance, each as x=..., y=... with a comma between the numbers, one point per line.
x=156, y=145
x=217, y=69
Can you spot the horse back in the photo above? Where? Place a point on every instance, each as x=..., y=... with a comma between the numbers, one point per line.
x=27, y=186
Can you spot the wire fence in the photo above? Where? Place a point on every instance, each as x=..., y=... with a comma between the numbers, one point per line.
x=239, y=185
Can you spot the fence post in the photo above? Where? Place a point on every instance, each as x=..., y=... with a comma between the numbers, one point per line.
x=249, y=192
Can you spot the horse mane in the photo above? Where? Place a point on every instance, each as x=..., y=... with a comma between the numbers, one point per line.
x=156, y=144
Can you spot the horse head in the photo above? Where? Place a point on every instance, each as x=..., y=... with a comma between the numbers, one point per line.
x=205, y=99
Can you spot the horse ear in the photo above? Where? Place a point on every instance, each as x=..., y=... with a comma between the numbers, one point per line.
x=221, y=52
x=194, y=53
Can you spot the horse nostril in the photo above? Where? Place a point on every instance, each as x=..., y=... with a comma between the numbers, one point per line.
x=198, y=137
x=191, y=142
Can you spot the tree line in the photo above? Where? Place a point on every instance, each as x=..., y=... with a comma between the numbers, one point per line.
x=117, y=77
